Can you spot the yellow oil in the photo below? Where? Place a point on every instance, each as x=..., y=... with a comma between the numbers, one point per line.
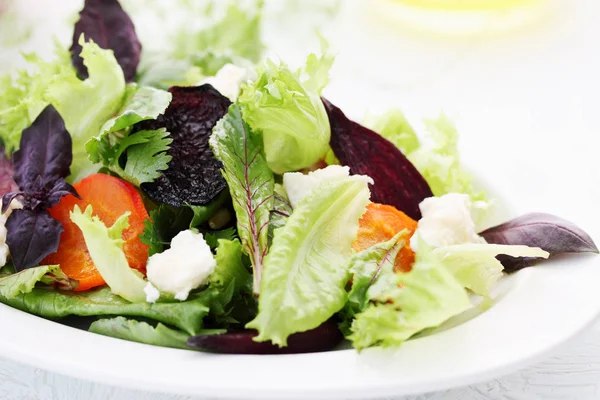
x=466, y=5
x=464, y=17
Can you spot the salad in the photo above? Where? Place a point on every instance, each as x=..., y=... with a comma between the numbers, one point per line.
x=226, y=206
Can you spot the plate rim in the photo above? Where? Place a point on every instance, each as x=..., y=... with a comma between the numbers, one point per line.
x=69, y=364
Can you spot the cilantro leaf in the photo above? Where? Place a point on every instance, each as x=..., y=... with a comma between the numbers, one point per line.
x=146, y=160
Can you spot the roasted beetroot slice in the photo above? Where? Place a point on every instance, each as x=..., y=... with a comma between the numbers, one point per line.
x=397, y=181
x=194, y=174
x=322, y=338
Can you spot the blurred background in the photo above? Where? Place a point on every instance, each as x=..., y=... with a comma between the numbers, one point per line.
x=519, y=77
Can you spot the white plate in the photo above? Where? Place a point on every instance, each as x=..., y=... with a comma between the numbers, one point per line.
x=538, y=310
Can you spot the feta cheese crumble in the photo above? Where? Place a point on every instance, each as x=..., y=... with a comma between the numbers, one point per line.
x=180, y=269
x=446, y=221
x=228, y=80
x=298, y=185
x=4, y=253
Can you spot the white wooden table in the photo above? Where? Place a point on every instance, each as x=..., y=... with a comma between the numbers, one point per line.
x=542, y=77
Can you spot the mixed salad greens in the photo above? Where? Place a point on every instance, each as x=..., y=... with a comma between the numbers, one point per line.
x=238, y=211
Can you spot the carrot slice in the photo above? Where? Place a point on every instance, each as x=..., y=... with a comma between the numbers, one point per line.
x=379, y=224
x=110, y=198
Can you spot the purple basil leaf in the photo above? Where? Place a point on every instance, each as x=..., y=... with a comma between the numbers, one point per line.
x=106, y=23
x=548, y=232
x=45, y=153
x=7, y=199
x=7, y=184
x=194, y=175
x=60, y=189
x=397, y=181
x=322, y=338
x=32, y=235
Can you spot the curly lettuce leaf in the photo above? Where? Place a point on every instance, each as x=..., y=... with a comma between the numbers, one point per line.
x=286, y=107
x=105, y=246
x=406, y=303
x=23, y=282
x=437, y=157
x=475, y=265
x=250, y=183
x=141, y=332
x=394, y=126
x=306, y=270
x=52, y=304
x=87, y=105
x=439, y=162
x=23, y=94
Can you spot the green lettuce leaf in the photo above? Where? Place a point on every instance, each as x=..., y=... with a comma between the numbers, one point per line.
x=286, y=107
x=141, y=103
x=475, y=265
x=368, y=268
x=23, y=94
x=141, y=332
x=87, y=105
x=23, y=282
x=52, y=304
x=250, y=183
x=230, y=268
x=369, y=265
x=105, y=246
x=406, y=303
x=231, y=280
x=306, y=270
x=394, y=127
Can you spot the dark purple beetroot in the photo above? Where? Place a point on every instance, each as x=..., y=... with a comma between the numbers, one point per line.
x=322, y=338
x=194, y=174
x=548, y=232
x=397, y=181
x=108, y=25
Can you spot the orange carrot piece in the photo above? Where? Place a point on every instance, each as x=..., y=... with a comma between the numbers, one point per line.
x=110, y=198
x=382, y=222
